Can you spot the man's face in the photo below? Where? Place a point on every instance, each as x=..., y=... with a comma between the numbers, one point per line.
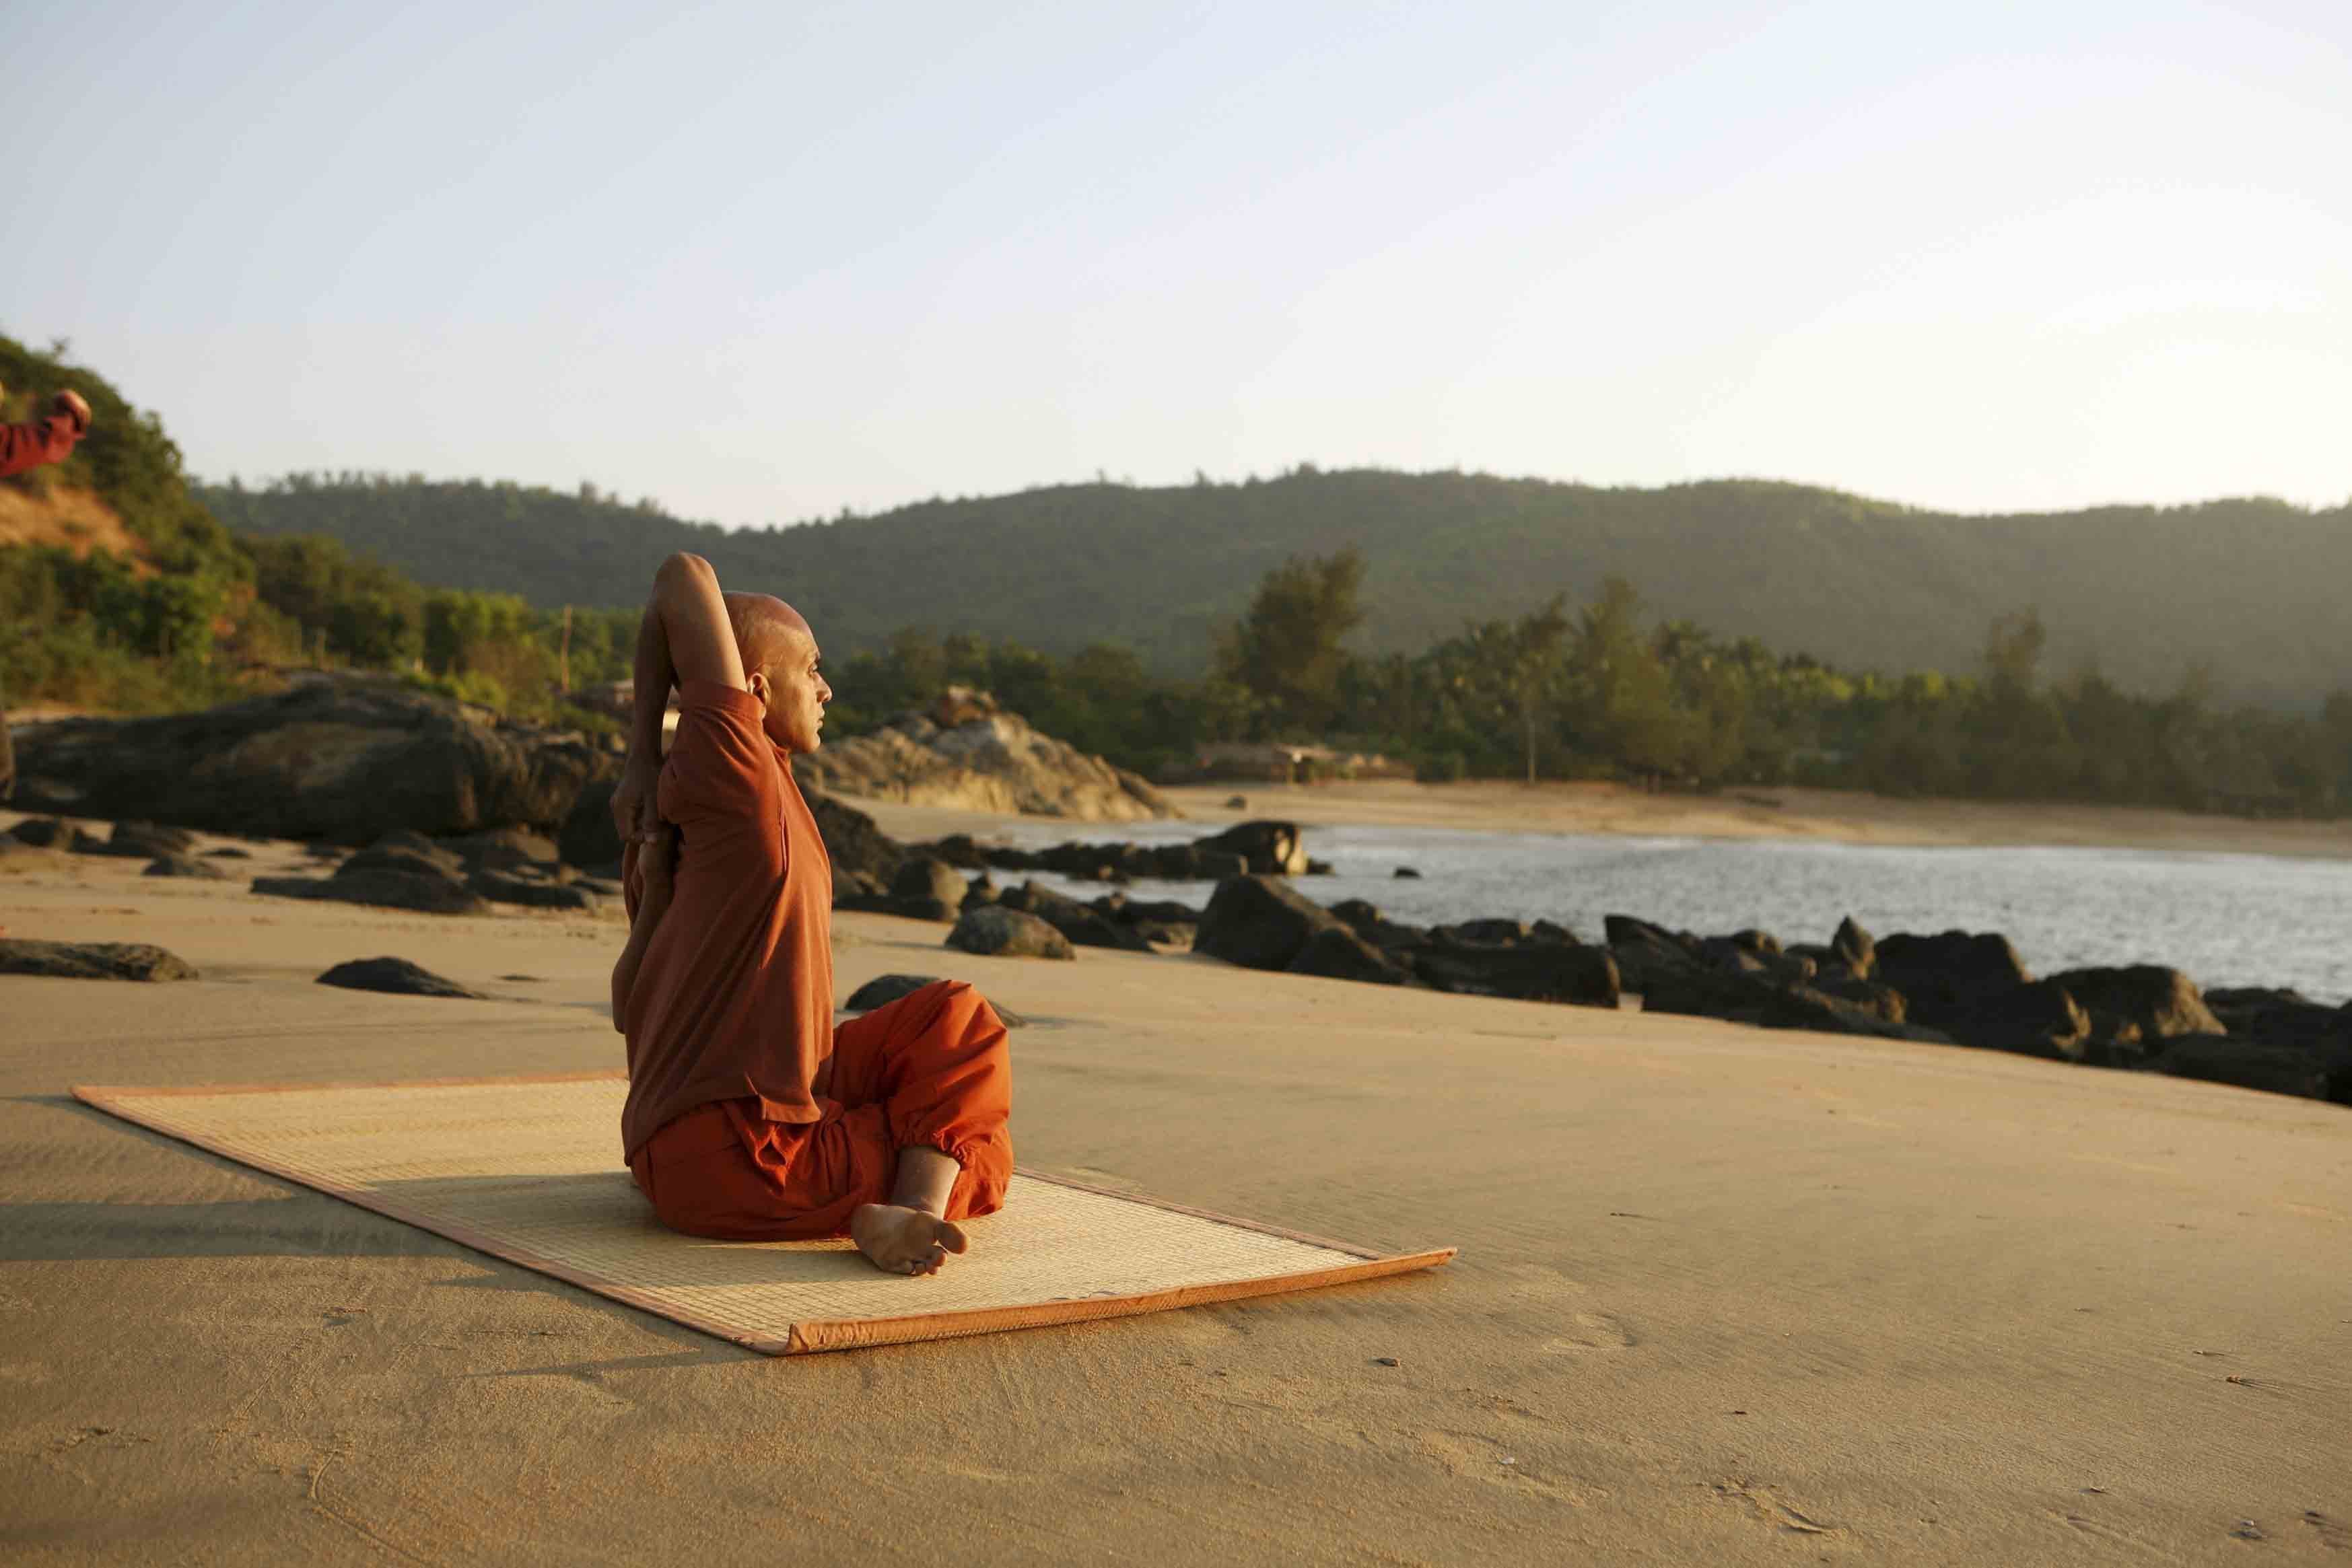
x=795, y=693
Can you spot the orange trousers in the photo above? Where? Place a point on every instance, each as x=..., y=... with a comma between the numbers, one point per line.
x=929, y=1070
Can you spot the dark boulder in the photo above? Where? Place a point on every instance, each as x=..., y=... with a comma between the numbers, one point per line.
x=136, y=841
x=1646, y=953
x=503, y=848
x=93, y=960
x=509, y=887
x=1009, y=934
x=1269, y=849
x=1540, y=972
x=389, y=855
x=586, y=836
x=929, y=880
x=340, y=758
x=958, y=849
x=1338, y=953
x=2281, y=1017
x=1259, y=923
x=1405, y=870
x=184, y=865
x=2134, y=1007
x=228, y=853
x=44, y=832
x=852, y=840
x=2314, y=1072
x=427, y=895
x=2039, y=1018
x=1492, y=932
x=1949, y=971
x=1086, y=926
x=396, y=977
x=979, y=890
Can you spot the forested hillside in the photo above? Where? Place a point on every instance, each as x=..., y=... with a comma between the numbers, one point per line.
x=2250, y=590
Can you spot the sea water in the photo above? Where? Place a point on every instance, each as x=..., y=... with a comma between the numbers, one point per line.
x=2222, y=919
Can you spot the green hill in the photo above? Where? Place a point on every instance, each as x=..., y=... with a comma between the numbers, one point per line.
x=2251, y=590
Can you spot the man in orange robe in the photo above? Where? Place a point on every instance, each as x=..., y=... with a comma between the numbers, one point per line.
x=749, y=1115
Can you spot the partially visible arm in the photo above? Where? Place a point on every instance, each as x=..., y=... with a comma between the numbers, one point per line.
x=685, y=637
x=24, y=446
x=656, y=859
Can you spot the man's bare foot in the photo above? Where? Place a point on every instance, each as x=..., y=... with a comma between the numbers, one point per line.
x=904, y=1241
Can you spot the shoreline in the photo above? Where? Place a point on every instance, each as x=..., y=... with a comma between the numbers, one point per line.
x=1836, y=816
x=1702, y=1267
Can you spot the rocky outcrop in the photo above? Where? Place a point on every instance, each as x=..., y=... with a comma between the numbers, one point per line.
x=1083, y=923
x=965, y=752
x=92, y=961
x=2134, y=1009
x=1266, y=848
x=346, y=759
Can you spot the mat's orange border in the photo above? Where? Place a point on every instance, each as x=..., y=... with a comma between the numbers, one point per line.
x=805, y=1338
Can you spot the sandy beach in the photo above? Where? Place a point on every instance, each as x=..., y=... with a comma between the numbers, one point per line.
x=1724, y=1296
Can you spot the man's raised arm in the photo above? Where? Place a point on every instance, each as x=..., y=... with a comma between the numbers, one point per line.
x=685, y=637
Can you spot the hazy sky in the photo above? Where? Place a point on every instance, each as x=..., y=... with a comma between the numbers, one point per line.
x=763, y=261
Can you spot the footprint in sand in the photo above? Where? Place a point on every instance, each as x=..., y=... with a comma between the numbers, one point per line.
x=1591, y=1331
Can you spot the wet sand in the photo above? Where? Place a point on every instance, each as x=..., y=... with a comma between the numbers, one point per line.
x=1724, y=1296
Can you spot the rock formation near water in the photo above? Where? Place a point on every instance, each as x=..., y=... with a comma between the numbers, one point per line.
x=966, y=752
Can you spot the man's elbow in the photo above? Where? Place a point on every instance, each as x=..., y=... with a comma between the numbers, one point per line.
x=683, y=570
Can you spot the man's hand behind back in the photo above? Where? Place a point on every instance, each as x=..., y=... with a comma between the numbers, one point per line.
x=636, y=814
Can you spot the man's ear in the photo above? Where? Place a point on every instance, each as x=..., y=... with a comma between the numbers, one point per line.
x=756, y=683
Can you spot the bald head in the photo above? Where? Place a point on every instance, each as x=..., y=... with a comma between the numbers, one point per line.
x=766, y=629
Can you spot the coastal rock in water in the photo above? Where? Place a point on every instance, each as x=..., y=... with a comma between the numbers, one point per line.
x=340, y=758
x=2315, y=1073
x=932, y=882
x=1086, y=926
x=1339, y=954
x=1537, y=972
x=2132, y=1008
x=1259, y=923
x=2041, y=1019
x=1008, y=932
x=1646, y=954
x=397, y=977
x=1269, y=849
x=379, y=889
x=1406, y=870
x=2281, y=1017
x=184, y=865
x=93, y=960
x=1949, y=971
x=973, y=757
